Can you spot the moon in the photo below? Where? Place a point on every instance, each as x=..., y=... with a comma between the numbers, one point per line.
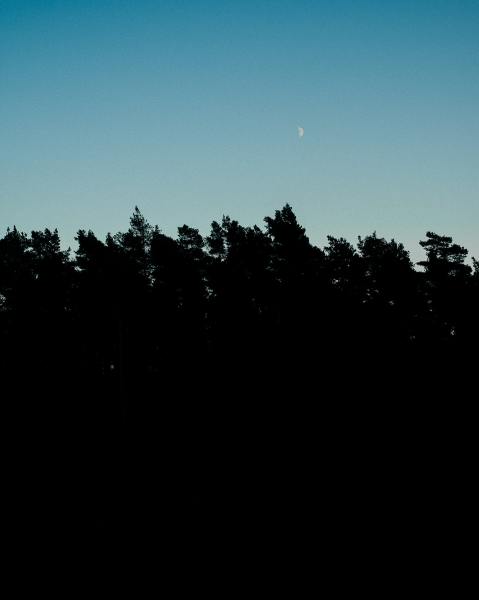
x=300, y=131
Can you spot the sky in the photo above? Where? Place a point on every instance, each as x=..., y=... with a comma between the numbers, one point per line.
x=190, y=109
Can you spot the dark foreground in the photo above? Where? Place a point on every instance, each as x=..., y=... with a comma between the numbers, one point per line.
x=247, y=394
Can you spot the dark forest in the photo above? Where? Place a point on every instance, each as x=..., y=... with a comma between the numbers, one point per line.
x=243, y=385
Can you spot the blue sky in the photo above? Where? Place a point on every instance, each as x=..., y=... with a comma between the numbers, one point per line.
x=189, y=109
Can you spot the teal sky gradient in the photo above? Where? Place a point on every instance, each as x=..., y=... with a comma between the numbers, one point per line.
x=189, y=109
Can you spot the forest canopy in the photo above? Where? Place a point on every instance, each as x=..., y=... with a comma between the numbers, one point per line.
x=155, y=370
x=236, y=283
x=141, y=307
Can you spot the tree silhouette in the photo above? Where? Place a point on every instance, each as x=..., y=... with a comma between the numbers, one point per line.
x=249, y=369
x=445, y=284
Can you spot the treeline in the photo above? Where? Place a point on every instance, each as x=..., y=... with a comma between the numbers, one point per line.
x=174, y=363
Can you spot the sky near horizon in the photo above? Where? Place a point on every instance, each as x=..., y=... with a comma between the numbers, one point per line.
x=190, y=110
